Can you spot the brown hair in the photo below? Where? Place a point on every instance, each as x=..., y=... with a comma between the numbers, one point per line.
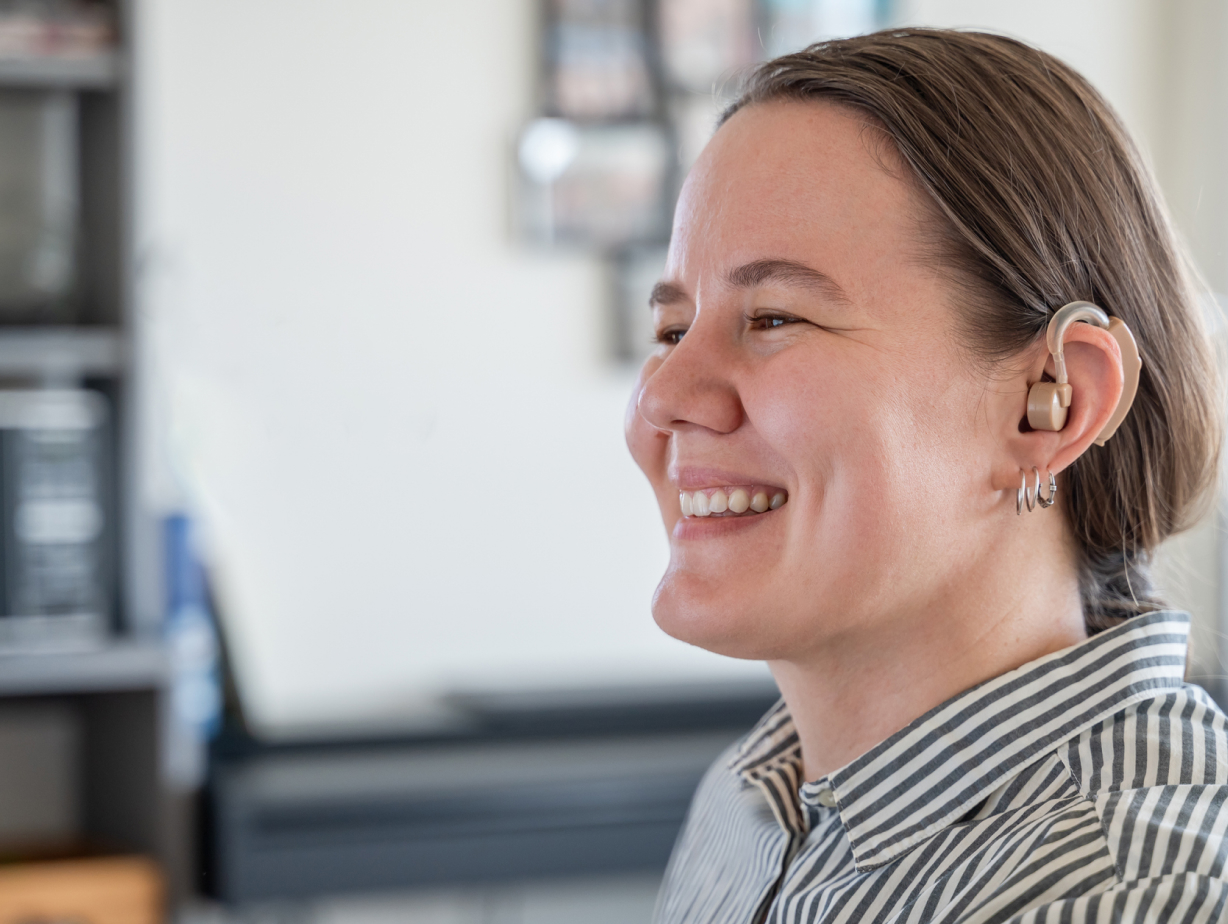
x=1043, y=200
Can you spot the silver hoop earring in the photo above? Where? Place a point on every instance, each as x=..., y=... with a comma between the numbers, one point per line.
x=1032, y=496
x=1045, y=501
x=1026, y=494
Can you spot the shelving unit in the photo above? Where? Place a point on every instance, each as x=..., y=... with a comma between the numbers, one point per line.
x=113, y=700
x=96, y=72
x=111, y=697
x=123, y=666
x=62, y=353
x=92, y=347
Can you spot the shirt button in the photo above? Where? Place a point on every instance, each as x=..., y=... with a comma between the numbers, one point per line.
x=827, y=798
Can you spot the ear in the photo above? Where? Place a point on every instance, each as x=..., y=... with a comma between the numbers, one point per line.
x=1094, y=368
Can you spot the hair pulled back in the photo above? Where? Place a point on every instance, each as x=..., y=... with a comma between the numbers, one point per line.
x=1042, y=200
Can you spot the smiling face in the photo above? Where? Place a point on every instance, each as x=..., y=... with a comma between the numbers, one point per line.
x=808, y=354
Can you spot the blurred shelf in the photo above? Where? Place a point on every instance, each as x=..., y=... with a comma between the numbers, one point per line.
x=64, y=352
x=291, y=825
x=610, y=710
x=96, y=72
x=117, y=667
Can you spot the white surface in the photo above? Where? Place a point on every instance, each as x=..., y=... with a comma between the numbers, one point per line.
x=397, y=425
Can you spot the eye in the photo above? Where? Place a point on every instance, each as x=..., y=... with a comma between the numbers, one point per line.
x=671, y=335
x=771, y=321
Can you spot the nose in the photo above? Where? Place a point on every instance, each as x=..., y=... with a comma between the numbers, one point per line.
x=692, y=387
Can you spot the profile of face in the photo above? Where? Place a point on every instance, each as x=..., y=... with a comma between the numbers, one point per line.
x=809, y=351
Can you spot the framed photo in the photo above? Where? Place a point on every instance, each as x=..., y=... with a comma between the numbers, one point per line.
x=598, y=186
x=597, y=60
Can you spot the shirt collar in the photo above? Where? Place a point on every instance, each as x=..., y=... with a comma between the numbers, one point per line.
x=936, y=769
x=770, y=758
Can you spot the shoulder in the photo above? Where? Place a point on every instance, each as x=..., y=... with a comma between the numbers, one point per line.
x=719, y=788
x=724, y=812
x=1183, y=898
x=1157, y=774
x=1167, y=738
x=724, y=851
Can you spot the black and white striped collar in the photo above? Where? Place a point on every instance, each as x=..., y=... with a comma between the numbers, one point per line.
x=935, y=770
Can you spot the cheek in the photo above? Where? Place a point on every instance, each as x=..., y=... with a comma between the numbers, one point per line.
x=856, y=437
x=824, y=421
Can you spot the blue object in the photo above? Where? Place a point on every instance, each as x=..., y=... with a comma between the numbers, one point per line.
x=191, y=636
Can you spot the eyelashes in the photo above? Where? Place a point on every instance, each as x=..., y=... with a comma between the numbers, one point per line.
x=771, y=320
x=761, y=322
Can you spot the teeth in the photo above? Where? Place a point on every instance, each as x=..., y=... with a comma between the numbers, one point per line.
x=735, y=501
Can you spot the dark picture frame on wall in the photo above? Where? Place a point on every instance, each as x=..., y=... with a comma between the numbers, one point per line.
x=629, y=92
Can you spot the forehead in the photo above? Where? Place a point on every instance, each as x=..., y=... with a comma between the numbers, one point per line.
x=797, y=180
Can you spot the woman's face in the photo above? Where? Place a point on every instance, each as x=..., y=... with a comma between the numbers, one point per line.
x=808, y=351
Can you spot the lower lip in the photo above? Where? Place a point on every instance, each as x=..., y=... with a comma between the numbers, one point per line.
x=715, y=527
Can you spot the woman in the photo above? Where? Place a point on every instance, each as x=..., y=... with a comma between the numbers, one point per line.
x=983, y=714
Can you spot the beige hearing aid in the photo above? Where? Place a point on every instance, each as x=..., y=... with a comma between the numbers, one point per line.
x=1048, y=401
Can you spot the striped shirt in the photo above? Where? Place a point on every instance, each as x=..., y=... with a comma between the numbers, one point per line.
x=1088, y=785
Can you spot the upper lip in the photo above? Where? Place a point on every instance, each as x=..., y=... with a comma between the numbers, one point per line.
x=693, y=478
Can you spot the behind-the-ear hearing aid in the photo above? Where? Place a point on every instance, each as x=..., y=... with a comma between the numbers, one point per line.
x=1048, y=401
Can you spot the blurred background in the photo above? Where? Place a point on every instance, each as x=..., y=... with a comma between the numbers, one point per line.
x=324, y=572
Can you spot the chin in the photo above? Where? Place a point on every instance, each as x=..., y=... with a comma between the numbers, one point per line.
x=708, y=617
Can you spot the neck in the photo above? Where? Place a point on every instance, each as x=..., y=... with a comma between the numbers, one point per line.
x=860, y=688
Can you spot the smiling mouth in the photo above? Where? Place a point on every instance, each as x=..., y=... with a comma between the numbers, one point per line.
x=731, y=501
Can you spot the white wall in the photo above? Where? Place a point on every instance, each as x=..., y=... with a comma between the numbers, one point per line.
x=396, y=424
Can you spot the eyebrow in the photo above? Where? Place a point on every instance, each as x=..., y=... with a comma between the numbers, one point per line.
x=666, y=293
x=786, y=272
x=749, y=275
